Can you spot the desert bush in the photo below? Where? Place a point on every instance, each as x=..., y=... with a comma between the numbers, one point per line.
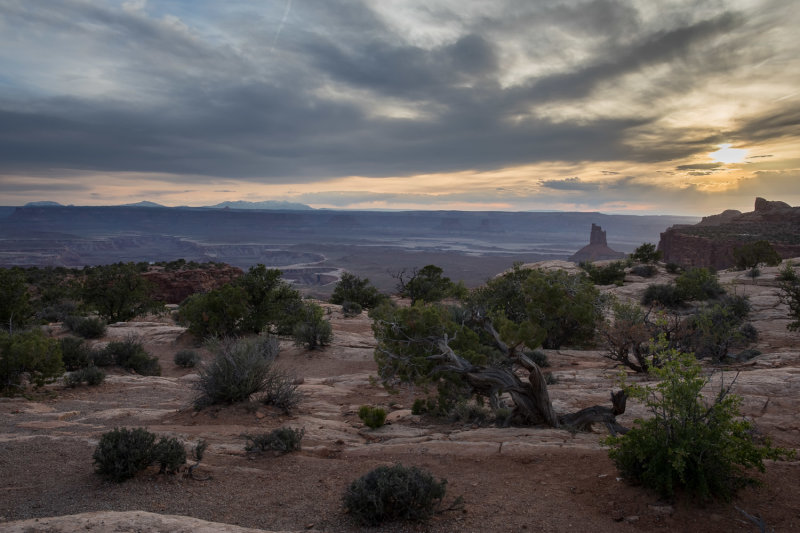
x=646, y=253
x=469, y=412
x=280, y=390
x=787, y=273
x=30, y=355
x=15, y=305
x=662, y=294
x=312, y=330
x=394, y=493
x=119, y=292
x=122, y=453
x=170, y=454
x=215, y=313
x=427, y=284
x=644, y=271
x=790, y=295
x=86, y=327
x=702, y=448
x=281, y=440
x=698, y=284
x=186, y=358
x=130, y=354
x=751, y=255
x=373, y=417
x=91, y=375
x=610, y=274
x=351, y=288
x=75, y=353
x=673, y=268
x=240, y=368
x=539, y=357
x=713, y=330
x=57, y=311
x=351, y=309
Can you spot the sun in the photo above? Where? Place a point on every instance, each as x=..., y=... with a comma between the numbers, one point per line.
x=726, y=154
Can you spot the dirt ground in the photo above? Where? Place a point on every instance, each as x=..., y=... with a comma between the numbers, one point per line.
x=511, y=479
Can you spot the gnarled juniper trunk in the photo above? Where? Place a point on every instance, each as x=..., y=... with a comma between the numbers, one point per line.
x=532, y=403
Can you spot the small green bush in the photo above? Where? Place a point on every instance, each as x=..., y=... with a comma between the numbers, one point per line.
x=394, y=493
x=121, y=453
x=75, y=353
x=673, y=268
x=282, y=440
x=539, y=357
x=419, y=407
x=240, y=368
x=610, y=274
x=130, y=354
x=170, y=454
x=644, y=271
x=350, y=288
x=312, y=330
x=469, y=412
x=704, y=449
x=351, y=309
x=661, y=294
x=373, y=417
x=28, y=355
x=186, y=358
x=280, y=390
x=646, y=253
x=86, y=327
x=699, y=284
x=91, y=375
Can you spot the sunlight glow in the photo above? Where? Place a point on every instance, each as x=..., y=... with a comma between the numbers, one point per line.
x=726, y=154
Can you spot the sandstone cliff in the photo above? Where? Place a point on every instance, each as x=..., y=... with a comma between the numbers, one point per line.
x=597, y=249
x=710, y=243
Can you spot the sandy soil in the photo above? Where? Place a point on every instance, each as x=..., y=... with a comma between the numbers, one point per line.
x=512, y=479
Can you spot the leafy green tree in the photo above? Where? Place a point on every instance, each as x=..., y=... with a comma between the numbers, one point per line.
x=427, y=284
x=646, y=253
x=698, y=284
x=15, y=305
x=312, y=330
x=704, y=448
x=270, y=300
x=790, y=295
x=714, y=329
x=351, y=288
x=118, y=292
x=751, y=255
x=28, y=354
x=215, y=313
x=610, y=274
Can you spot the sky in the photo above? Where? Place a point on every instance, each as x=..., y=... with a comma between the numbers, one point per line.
x=619, y=106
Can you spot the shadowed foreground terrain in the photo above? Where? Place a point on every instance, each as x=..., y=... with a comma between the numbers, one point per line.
x=512, y=479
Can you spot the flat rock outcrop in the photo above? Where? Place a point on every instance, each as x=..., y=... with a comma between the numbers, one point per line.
x=597, y=249
x=173, y=287
x=711, y=242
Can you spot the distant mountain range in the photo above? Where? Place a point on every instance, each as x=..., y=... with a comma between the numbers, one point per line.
x=238, y=204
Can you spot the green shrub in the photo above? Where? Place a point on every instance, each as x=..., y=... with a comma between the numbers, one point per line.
x=240, y=368
x=644, y=271
x=610, y=274
x=646, y=253
x=673, y=268
x=539, y=357
x=352, y=289
x=28, y=355
x=186, y=358
x=698, y=284
x=91, y=375
x=57, y=312
x=662, y=294
x=787, y=273
x=280, y=390
x=170, y=454
x=469, y=412
x=689, y=444
x=351, y=309
x=419, y=407
x=121, y=453
x=75, y=353
x=373, y=417
x=394, y=493
x=130, y=354
x=312, y=330
x=86, y=327
x=426, y=284
x=281, y=440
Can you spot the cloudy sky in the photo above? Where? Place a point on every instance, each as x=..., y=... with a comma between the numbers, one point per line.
x=675, y=106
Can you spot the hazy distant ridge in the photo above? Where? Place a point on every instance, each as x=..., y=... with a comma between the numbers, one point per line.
x=268, y=204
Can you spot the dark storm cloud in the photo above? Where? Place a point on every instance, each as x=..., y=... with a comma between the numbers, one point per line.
x=569, y=184
x=135, y=91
